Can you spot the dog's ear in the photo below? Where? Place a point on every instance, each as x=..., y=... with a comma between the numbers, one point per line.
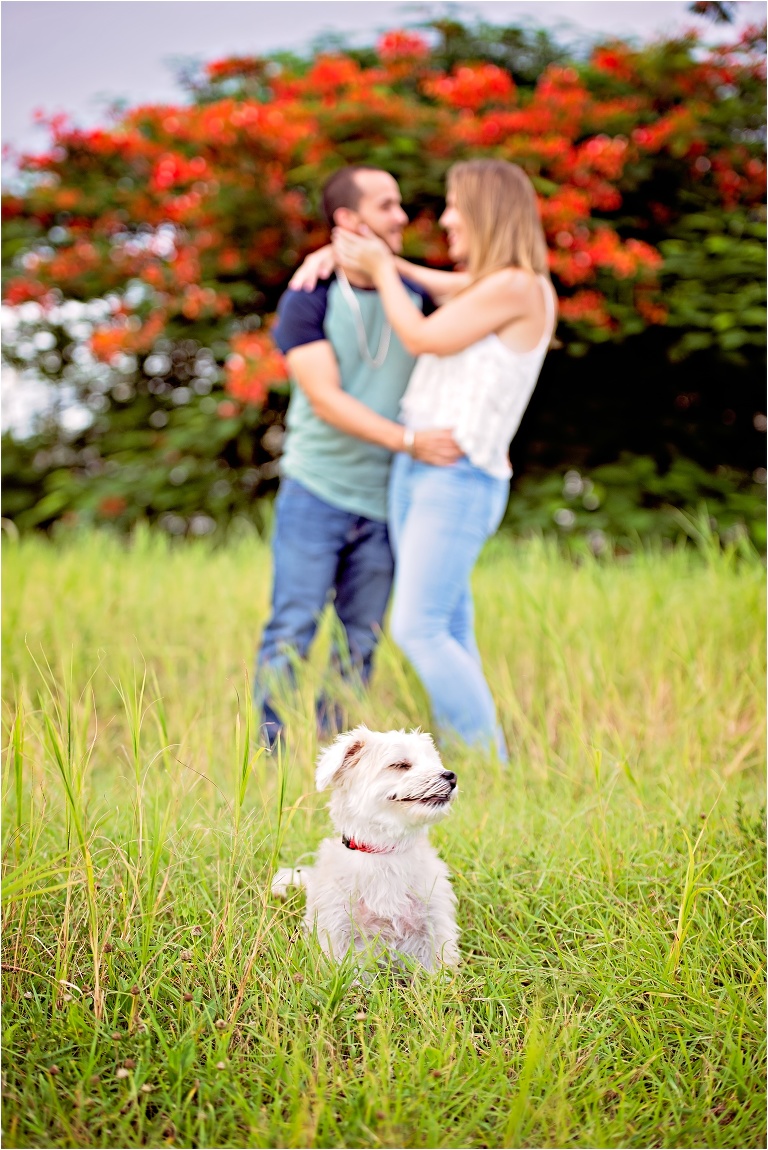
x=340, y=757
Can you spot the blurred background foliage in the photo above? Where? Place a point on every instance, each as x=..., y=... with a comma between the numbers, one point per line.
x=143, y=262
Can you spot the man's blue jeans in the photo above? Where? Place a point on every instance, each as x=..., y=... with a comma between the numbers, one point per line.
x=320, y=552
x=439, y=518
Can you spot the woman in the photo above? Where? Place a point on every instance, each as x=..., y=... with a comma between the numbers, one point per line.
x=479, y=359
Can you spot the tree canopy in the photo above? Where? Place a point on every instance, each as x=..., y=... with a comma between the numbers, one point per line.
x=144, y=259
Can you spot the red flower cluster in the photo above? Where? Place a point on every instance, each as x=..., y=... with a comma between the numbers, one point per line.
x=561, y=211
x=199, y=301
x=651, y=310
x=472, y=86
x=589, y=251
x=21, y=290
x=329, y=73
x=172, y=170
x=615, y=60
x=400, y=45
x=677, y=129
x=234, y=66
x=208, y=201
x=585, y=307
x=126, y=334
x=253, y=368
x=112, y=505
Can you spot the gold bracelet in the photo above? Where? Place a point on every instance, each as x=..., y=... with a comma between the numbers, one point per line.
x=409, y=436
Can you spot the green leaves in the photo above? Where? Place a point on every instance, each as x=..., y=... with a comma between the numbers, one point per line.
x=714, y=284
x=623, y=503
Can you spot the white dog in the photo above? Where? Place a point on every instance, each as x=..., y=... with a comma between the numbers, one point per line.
x=379, y=886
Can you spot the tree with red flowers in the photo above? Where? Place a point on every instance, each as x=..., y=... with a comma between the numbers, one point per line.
x=144, y=259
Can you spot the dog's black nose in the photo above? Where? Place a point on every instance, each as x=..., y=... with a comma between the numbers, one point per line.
x=451, y=777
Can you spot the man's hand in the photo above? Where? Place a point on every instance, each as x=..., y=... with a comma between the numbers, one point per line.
x=437, y=447
x=317, y=266
x=316, y=371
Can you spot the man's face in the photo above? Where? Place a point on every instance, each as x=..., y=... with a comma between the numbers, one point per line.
x=380, y=208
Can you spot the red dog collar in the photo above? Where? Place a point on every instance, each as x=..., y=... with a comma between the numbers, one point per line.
x=353, y=845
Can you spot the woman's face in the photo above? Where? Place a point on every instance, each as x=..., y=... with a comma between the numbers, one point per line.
x=456, y=230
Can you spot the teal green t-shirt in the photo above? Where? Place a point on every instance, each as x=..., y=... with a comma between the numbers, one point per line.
x=338, y=468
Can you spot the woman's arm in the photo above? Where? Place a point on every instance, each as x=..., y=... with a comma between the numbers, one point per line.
x=488, y=305
x=441, y=285
x=483, y=308
x=319, y=265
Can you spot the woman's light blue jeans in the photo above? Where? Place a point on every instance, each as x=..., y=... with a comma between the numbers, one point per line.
x=439, y=519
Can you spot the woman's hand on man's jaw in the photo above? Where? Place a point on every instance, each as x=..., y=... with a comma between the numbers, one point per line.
x=360, y=253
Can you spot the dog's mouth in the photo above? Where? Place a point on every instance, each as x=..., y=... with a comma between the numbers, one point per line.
x=427, y=800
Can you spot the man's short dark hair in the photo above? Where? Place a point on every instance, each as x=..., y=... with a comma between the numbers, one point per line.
x=341, y=190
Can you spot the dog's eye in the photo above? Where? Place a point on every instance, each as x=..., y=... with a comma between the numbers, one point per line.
x=400, y=767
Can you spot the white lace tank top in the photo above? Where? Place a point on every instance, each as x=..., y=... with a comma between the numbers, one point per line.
x=480, y=394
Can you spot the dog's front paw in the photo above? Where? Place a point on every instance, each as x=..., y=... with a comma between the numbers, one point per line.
x=449, y=958
x=285, y=880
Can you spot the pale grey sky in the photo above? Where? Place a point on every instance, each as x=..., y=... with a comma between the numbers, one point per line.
x=75, y=55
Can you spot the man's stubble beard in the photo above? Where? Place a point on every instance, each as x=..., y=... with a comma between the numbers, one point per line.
x=395, y=244
x=395, y=247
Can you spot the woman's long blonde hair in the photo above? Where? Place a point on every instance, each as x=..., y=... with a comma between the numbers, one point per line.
x=498, y=204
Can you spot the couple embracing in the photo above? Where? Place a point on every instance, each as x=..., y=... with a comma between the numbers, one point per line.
x=410, y=384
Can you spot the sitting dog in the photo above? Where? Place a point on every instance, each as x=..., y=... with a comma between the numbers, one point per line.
x=379, y=887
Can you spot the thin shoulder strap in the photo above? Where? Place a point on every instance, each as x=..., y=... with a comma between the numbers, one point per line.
x=548, y=314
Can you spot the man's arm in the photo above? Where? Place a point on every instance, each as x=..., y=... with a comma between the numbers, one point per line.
x=315, y=370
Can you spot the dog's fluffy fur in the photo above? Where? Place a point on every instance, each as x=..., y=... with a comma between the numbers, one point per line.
x=386, y=790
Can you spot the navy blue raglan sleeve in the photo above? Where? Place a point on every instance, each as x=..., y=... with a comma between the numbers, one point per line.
x=300, y=317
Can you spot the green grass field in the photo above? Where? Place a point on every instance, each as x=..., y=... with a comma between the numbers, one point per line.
x=610, y=881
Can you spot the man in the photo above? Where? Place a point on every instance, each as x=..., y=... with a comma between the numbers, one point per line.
x=349, y=372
